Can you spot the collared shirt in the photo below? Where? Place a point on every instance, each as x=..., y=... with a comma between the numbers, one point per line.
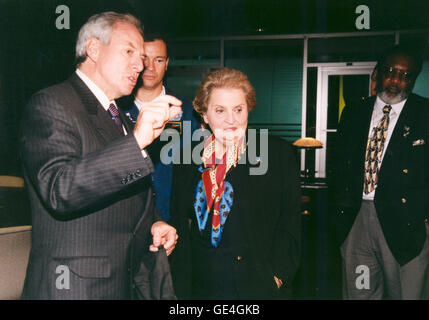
x=98, y=93
x=377, y=114
x=139, y=103
x=101, y=97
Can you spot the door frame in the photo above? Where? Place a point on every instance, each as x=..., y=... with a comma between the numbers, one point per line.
x=323, y=72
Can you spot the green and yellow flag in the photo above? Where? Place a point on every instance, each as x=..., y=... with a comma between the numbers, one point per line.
x=341, y=102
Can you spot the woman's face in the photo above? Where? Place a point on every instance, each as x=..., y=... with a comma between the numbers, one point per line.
x=227, y=115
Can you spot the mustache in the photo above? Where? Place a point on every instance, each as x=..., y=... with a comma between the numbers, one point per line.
x=395, y=87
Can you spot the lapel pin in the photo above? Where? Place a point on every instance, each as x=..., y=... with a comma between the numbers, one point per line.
x=419, y=142
x=406, y=131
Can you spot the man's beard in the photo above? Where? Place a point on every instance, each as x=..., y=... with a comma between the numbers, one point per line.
x=393, y=99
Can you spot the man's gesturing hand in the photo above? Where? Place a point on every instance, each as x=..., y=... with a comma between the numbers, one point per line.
x=152, y=118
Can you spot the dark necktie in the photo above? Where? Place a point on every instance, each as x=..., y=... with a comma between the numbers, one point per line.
x=374, y=152
x=114, y=113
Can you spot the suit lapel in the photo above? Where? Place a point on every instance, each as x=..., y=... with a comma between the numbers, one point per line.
x=398, y=137
x=126, y=122
x=98, y=117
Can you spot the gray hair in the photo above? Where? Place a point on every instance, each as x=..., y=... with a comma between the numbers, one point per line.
x=100, y=26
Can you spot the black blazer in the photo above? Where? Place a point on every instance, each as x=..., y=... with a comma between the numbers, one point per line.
x=271, y=227
x=91, y=205
x=402, y=195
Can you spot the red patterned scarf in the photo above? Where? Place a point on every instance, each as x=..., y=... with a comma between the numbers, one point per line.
x=214, y=178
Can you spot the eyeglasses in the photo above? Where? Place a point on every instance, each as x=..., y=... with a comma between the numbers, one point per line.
x=394, y=72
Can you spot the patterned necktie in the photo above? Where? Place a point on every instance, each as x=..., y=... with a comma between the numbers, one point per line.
x=374, y=152
x=114, y=113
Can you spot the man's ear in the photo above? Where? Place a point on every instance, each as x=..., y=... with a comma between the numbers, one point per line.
x=93, y=48
x=166, y=63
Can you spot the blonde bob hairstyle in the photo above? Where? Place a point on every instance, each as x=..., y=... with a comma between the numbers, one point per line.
x=221, y=79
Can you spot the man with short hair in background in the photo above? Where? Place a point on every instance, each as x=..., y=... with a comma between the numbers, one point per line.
x=149, y=87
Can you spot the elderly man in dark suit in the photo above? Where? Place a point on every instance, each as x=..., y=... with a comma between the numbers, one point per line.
x=87, y=171
x=382, y=186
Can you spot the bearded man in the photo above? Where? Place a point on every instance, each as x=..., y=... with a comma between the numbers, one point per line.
x=382, y=186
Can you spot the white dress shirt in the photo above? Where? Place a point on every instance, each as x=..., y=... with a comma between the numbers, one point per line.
x=139, y=103
x=98, y=93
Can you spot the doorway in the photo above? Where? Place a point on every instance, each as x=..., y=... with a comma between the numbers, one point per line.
x=337, y=86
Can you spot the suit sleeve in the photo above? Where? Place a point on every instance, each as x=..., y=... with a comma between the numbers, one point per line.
x=287, y=240
x=66, y=177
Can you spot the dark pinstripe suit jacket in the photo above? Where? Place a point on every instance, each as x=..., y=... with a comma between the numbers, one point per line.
x=89, y=190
